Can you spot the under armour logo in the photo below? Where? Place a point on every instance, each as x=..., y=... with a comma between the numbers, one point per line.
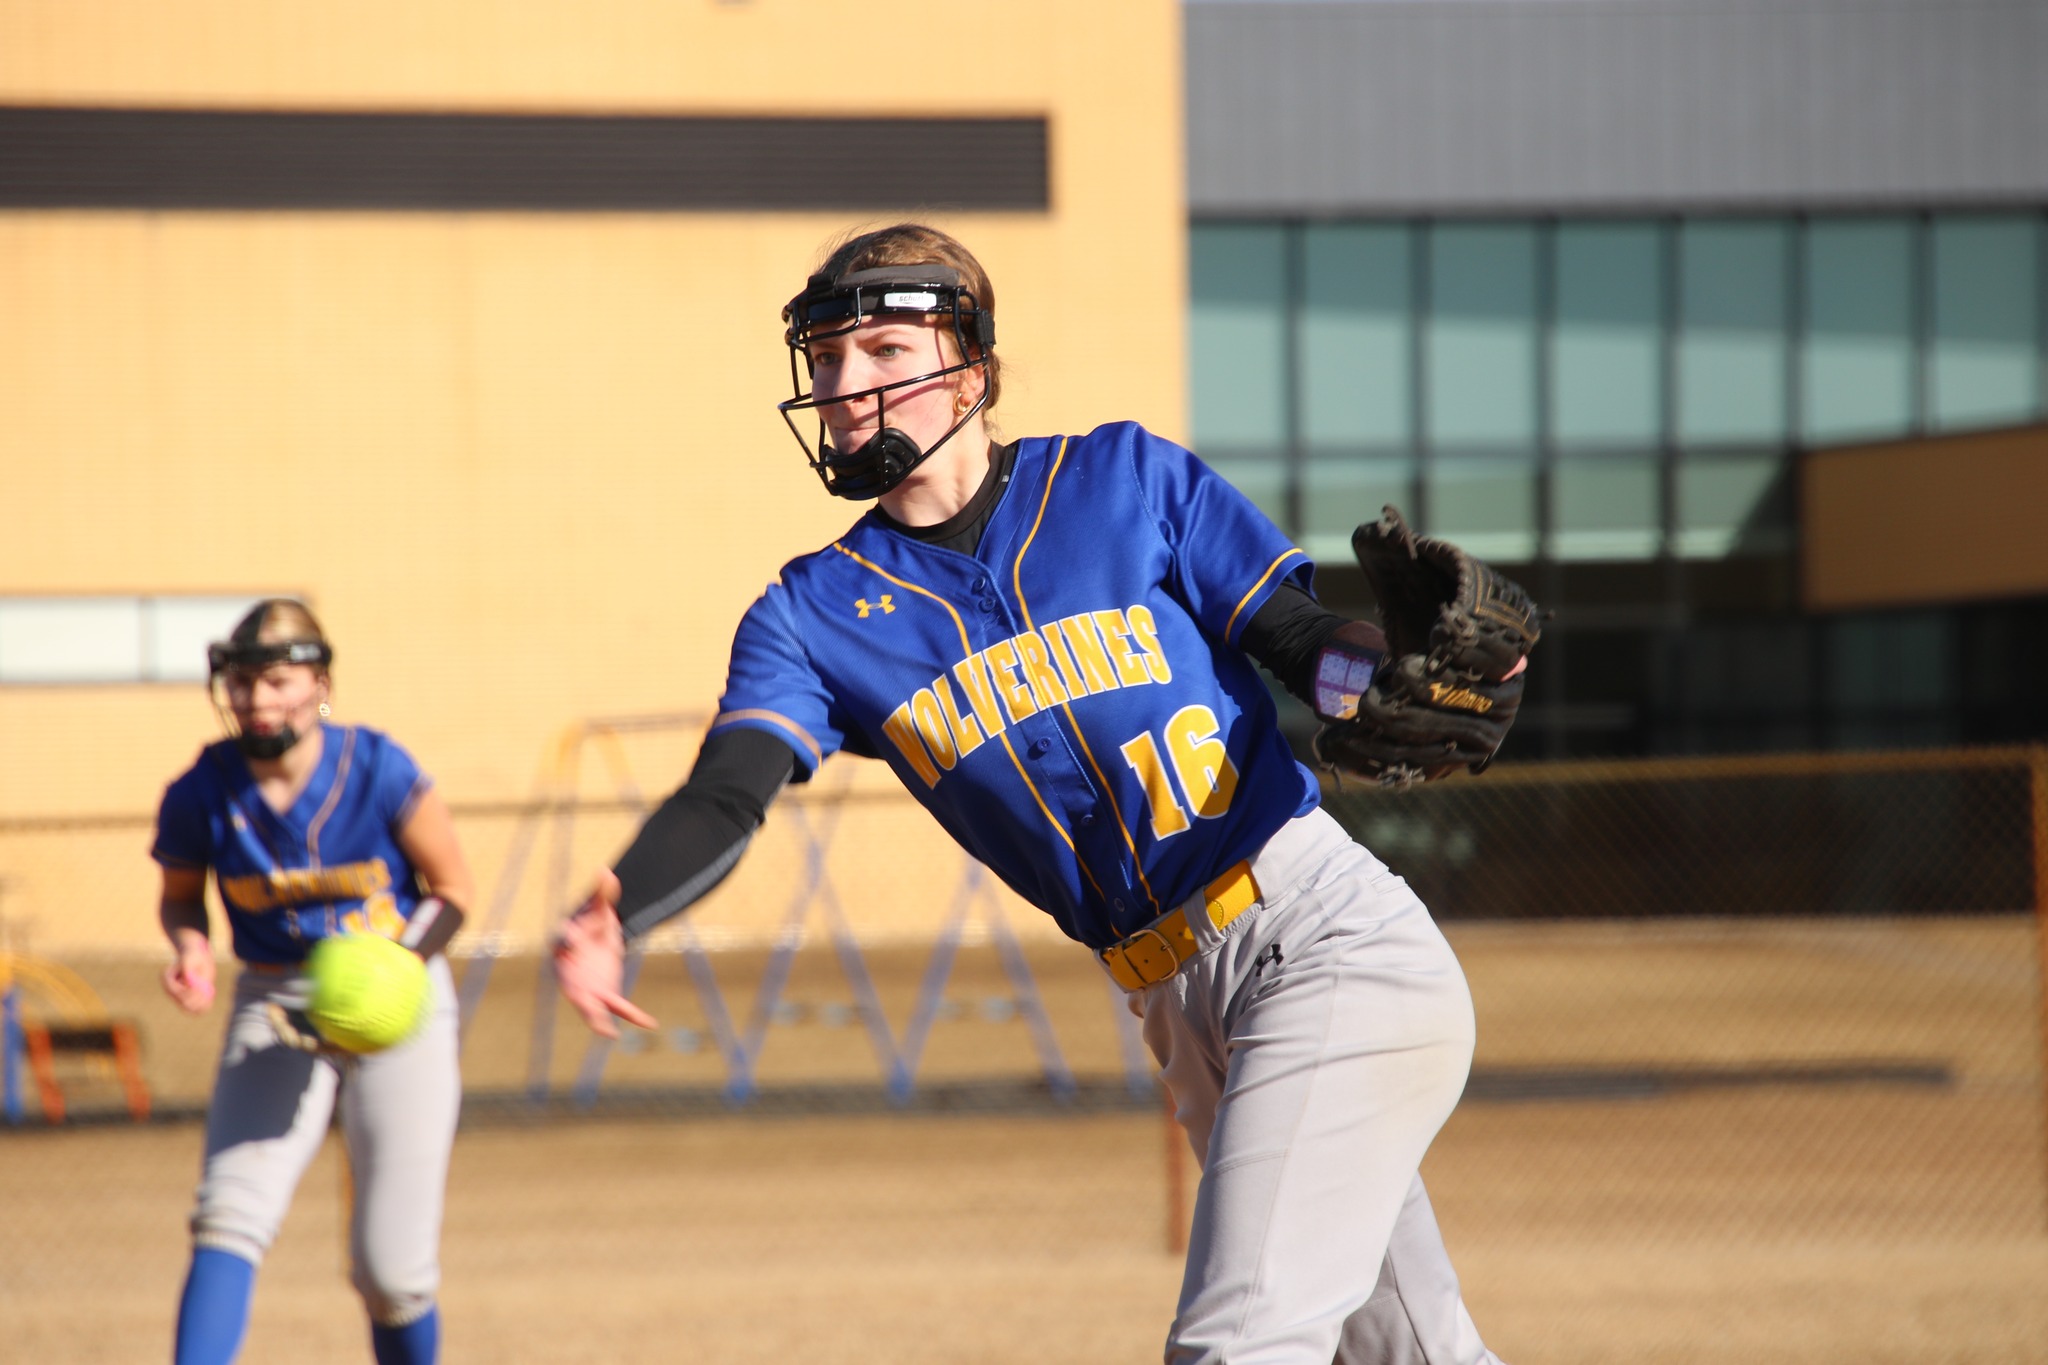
x=885, y=606
x=1271, y=954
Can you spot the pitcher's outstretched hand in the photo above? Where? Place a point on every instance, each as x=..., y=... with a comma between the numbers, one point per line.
x=590, y=957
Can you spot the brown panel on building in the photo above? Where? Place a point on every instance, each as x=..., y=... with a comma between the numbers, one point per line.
x=436, y=162
x=1945, y=519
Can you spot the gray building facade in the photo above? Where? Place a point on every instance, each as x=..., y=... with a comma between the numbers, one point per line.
x=1576, y=282
x=1347, y=107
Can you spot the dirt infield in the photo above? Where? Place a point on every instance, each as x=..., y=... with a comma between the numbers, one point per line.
x=1886, y=1207
x=929, y=1240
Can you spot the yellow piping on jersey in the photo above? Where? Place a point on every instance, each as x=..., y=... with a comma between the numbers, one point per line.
x=1017, y=581
x=1291, y=552
x=1017, y=569
x=756, y=713
x=348, y=750
x=967, y=650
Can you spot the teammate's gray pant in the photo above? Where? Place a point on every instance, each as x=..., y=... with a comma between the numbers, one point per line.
x=271, y=1108
x=1312, y=1050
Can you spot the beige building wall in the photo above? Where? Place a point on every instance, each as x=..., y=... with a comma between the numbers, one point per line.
x=526, y=466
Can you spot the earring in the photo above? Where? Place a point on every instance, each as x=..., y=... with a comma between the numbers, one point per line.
x=325, y=710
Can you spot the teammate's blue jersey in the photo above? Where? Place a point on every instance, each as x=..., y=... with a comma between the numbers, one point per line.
x=331, y=864
x=1070, y=701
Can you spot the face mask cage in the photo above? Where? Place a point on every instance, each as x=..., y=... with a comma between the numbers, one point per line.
x=832, y=308
x=225, y=658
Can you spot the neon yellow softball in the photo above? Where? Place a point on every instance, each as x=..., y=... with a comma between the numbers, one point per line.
x=369, y=993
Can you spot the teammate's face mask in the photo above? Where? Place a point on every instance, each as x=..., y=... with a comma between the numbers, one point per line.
x=834, y=307
x=226, y=662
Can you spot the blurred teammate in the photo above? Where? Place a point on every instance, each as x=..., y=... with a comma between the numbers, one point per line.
x=310, y=829
x=1051, y=641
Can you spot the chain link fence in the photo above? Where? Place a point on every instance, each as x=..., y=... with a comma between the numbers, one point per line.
x=1781, y=1001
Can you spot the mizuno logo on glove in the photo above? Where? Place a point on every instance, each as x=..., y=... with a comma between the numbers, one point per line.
x=1444, y=694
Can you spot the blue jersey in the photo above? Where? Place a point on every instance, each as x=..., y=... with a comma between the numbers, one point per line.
x=1070, y=701
x=330, y=864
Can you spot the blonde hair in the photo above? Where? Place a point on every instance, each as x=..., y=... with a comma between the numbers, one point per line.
x=919, y=244
x=278, y=621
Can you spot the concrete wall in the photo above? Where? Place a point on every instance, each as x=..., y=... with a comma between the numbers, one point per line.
x=526, y=465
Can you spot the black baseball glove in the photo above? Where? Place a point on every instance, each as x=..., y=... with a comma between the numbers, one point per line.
x=1458, y=637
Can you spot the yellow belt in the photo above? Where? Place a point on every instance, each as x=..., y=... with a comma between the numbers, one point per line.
x=1161, y=948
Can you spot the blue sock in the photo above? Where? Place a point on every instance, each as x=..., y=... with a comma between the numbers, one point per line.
x=416, y=1343
x=213, y=1315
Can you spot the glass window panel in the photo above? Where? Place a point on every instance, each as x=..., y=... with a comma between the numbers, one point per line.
x=1987, y=320
x=1891, y=660
x=1858, y=374
x=1355, y=354
x=1487, y=504
x=1734, y=319
x=1608, y=671
x=1264, y=481
x=1237, y=320
x=1733, y=504
x=1889, y=679
x=177, y=630
x=1922, y=645
x=64, y=640
x=1607, y=363
x=1746, y=667
x=1482, y=334
x=1338, y=494
x=1606, y=507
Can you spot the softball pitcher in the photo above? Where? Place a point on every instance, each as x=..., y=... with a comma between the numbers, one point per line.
x=310, y=829
x=1051, y=641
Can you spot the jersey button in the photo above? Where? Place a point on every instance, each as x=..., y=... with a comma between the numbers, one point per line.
x=1087, y=818
x=988, y=606
x=1117, y=906
x=1039, y=748
x=982, y=584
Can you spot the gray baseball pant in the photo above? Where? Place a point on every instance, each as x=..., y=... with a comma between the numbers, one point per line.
x=1313, y=1048
x=271, y=1108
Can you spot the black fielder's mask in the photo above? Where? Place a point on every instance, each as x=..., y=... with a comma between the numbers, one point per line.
x=224, y=658
x=831, y=307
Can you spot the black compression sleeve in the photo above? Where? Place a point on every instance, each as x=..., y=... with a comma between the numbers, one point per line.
x=690, y=843
x=1285, y=635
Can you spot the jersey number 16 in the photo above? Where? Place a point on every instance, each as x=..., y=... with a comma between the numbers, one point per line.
x=1199, y=760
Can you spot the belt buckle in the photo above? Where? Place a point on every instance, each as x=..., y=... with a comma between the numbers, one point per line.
x=1146, y=956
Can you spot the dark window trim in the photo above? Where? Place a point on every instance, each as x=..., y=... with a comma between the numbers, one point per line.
x=124, y=158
